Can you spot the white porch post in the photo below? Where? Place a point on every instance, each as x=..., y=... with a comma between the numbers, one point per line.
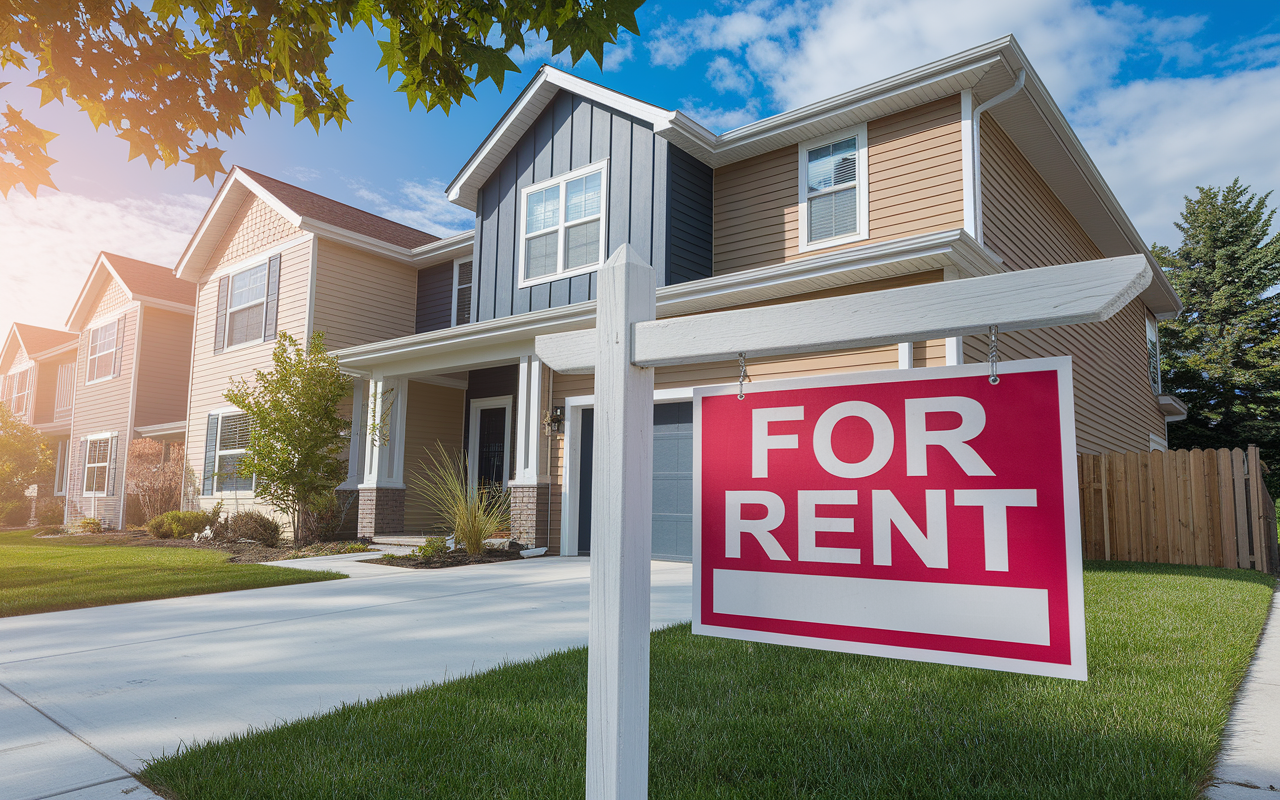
x=621, y=524
x=384, y=433
x=528, y=421
x=359, y=431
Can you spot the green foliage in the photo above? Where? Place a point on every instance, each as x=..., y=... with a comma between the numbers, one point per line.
x=298, y=441
x=91, y=525
x=183, y=524
x=431, y=546
x=473, y=513
x=25, y=457
x=1222, y=356
x=252, y=525
x=326, y=515
x=15, y=513
x=50, y=510
x=184, y=69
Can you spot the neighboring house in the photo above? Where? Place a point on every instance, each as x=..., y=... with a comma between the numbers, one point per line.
x=268, y=258
x=132, y=365
x=38, y=383
x=887, y=185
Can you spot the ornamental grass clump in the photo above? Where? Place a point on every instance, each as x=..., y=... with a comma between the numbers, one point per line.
x=473, y=512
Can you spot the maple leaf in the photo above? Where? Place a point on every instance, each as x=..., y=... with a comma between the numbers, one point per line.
x=207, y=162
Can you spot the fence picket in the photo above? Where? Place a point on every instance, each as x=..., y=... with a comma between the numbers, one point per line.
x=1199, y=503
x=1159, y=508
x=1213, y=510
x=1227, y=530
x=1258, y=500
x=1186, y=545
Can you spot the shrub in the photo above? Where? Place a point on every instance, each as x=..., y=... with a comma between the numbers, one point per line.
x=325, y=516
x=154, y=477
x=91, y=525
x=15, y=513
x=473, y=513
x=432, y=546
x=50, y=510
x=183, y=524
x=253, y=525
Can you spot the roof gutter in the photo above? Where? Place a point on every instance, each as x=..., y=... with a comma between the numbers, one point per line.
x=977, y=148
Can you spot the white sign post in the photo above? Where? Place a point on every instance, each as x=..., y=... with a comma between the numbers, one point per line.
x=629, y=342
x=621, y=541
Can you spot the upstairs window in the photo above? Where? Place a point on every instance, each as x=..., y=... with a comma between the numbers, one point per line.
x=102, y=352
x=462, y=277
x=562, y=225
x=247, y=306
x=1153, y=354
x=233, y=440
x=833, y=196
x=17, y=389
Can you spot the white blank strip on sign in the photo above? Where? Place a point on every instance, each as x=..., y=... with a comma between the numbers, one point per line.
x=994, y=613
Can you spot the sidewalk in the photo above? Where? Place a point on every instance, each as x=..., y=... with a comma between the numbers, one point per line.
x=1249, y=767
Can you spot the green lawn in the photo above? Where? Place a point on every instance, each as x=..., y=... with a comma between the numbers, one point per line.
x=1167, y=647
x=79, y=571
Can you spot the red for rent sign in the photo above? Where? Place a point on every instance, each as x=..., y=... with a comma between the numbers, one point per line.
x=918, y=514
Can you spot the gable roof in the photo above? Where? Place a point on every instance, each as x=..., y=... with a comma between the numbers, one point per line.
x=141, y=281
x=34, y=340
x=311, y=212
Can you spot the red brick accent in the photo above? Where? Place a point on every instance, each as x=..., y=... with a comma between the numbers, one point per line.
x=529, y=505
x=381, y=512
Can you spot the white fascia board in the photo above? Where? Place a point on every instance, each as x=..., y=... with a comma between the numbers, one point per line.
x=465, y=187
x=165, y=305
x=236, y=178
x=75, y=320
x=444, y=250
x=45, y=355
x=357, y=240
x=162, y=429
x=917, y=253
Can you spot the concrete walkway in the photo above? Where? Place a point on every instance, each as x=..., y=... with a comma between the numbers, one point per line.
x=86, y=696
x=1249, y=767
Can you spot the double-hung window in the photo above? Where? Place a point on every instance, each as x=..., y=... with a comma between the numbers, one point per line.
x=833, y=189
x=102, y=352
x=247, y=306
x=1153, y=354
x=562, y=225
x=233, y=440
x=17, y=391
x=97, y=458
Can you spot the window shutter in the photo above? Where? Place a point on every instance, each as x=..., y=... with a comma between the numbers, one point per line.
x=220, y=327
x=210, y=455
x=120, y=325
x=462, y=313
x=273, y=294
x=111, y=468
x=76, y=480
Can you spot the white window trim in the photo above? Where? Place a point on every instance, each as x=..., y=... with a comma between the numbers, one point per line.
x=111, y=373
x=226, y=327
x=473, y=437
x=12, y=400
x=107, y=464
x=602, y=167
x=218, y=453
x=802, y=159
x=1153, y=336
x=61, y=468
x=453, y=297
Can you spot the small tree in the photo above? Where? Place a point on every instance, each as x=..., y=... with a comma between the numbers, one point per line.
x=1222, y=355
x=155, y=480
x=25, y=456
x=297, y=439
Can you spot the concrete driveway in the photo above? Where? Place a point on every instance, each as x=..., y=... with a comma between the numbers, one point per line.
x=87, y=695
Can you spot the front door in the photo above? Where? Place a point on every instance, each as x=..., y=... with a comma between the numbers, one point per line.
x=672, y=481
x=491, y=447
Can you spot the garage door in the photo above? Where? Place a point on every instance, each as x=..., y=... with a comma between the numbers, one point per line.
x=672, y=482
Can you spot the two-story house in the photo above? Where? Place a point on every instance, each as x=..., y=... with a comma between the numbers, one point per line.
x=37, y=383
x=270, y=257
x=960, y=168
x=132, y=361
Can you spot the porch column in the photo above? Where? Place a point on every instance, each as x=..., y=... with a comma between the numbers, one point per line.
x=529, y=489
x=382, y=489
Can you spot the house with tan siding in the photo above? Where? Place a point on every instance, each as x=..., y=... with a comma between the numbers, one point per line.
x=957, y=169
x=270, y=257
x=37, y=383
x=132, y=322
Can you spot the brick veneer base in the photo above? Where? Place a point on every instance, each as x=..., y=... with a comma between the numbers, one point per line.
x=381, y=512
x=529, y=514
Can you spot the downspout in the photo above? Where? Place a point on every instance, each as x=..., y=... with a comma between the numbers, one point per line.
x=977, y=147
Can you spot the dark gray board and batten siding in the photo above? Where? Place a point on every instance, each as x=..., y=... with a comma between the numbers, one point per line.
x=659, y=201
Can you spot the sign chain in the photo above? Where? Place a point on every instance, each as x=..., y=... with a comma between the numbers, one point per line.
x=742, y=373
x=993, y=356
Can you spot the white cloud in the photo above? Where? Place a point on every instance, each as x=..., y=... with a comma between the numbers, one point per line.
x=615, y=55
x=720, y=119
x=726, y=76
x=50, y=243
x=421, y=206
x=1153, y=139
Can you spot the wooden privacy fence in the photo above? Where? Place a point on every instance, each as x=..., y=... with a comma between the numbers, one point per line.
x=1203, y=507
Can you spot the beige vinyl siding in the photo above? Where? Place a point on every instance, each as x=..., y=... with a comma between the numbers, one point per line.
x=211, y=373
x=46, y=391
x=1027, y=226
x=164, y=368
x=915, y=185
x=102, y=407
x=434, y=415
x=361, y=297
x=255, y=227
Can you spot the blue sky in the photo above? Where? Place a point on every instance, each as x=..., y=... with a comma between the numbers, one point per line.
x=1165, y=96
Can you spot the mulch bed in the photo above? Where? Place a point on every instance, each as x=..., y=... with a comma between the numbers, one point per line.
x=238, y=552
x=455, y=558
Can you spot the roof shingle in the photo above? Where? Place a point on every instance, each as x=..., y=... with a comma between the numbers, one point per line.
x=37, y=340
x=152, y=280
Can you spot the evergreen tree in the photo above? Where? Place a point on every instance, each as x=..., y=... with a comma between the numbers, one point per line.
x=1222, y=355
